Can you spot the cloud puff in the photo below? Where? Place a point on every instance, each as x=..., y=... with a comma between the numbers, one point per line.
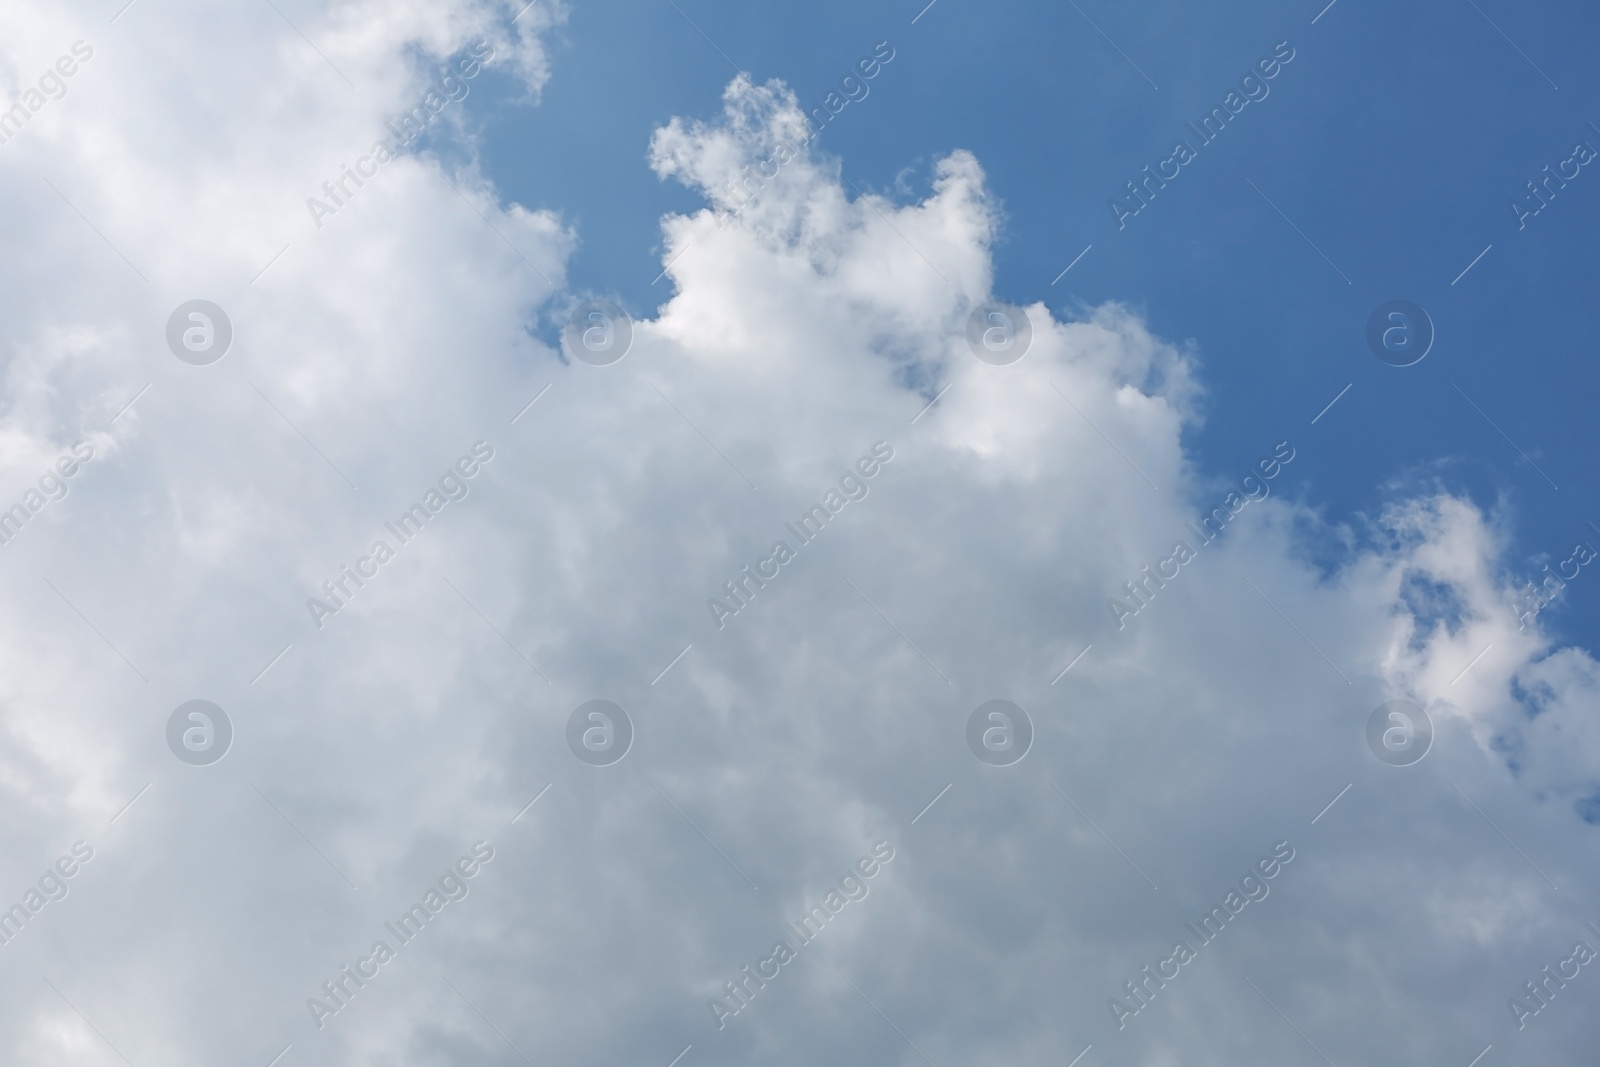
x=370, y=354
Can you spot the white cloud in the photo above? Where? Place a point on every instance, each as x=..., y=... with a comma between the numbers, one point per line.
x=777, y=750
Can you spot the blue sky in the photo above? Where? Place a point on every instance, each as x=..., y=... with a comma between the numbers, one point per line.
x=1395, y=140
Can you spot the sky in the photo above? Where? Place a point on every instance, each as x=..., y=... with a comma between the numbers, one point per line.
x=494, y=593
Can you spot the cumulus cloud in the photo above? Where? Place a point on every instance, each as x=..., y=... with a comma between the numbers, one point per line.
x=812, y=327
